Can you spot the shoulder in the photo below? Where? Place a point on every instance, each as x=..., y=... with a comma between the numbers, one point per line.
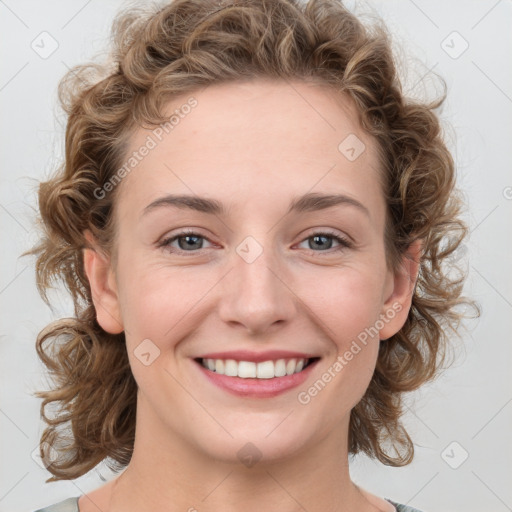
x=400, y=508
x=68, y=505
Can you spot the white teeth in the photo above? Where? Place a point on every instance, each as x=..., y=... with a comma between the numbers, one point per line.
x=219, y=366
x=251, y=370
x=290, y=366
x=231, y=368
x=280, y=368
x=246, y=369
x=265, y=370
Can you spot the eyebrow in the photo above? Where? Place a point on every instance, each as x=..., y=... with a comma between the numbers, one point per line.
x=307, y=203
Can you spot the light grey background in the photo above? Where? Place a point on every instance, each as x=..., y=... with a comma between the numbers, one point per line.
x=470, y=405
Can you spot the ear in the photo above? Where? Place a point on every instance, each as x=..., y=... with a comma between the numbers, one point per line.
x=103, y=286
x=399, y=291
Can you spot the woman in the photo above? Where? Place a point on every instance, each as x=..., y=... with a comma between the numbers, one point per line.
x=220, y=354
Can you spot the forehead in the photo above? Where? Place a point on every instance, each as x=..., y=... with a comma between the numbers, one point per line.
x=246, y=140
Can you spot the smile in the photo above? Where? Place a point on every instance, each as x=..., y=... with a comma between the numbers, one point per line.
x=261, y=379
x=252, y=370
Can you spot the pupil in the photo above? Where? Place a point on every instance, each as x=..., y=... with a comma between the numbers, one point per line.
x=317, y=237
x=189, y=245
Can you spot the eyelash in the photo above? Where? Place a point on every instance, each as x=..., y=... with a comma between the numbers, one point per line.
x=344, y=243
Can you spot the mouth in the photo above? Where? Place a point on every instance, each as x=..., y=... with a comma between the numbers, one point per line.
x=251, y=379
x=256, y=370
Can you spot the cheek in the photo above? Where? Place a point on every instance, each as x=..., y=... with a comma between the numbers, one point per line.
x=348, y=305
x=163, y=305
x=152, y=294
x=347, y=301
x=145, y=306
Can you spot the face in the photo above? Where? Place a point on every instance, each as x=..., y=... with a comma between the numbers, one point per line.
x=251, y=267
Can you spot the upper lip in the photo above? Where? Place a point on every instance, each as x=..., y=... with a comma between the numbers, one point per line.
x=256, y=357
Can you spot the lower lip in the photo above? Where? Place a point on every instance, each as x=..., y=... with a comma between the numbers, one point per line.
x=257, y=388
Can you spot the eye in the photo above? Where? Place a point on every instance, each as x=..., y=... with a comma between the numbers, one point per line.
x=188, y=241
x=323, y=241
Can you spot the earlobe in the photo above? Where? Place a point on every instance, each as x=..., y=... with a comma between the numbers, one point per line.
x=402, y=283
x=103, y=290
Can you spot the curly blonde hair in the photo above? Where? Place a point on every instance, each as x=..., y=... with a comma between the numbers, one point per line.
x=179, y=48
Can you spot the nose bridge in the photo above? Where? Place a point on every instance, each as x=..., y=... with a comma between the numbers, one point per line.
x=254, y=293
x=257, y=267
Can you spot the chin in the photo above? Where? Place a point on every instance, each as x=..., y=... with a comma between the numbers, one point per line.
x=254, y=445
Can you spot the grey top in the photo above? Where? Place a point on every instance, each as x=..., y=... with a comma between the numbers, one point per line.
x=68, y=505
x=71, y=505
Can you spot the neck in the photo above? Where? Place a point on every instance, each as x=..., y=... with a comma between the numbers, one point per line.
x=167, y=474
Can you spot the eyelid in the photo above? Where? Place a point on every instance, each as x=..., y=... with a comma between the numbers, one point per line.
x=344, y=241
x=166, y=240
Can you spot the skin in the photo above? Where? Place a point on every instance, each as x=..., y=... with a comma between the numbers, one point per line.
x=254, y=146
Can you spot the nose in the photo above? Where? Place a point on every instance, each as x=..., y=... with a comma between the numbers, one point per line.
x=257, y=294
